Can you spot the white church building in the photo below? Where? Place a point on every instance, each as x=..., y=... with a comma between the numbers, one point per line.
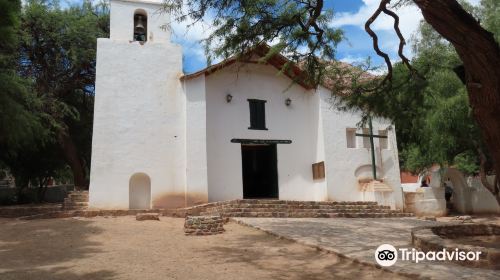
x=235, y=130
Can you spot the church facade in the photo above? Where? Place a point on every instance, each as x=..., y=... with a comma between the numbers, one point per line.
x=235, y=130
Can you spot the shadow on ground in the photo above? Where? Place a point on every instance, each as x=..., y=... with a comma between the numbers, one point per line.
x=44, y=249
x=288, y=260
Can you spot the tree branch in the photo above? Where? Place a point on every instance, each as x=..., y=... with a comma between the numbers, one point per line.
x=385, y=56
x=382, y=8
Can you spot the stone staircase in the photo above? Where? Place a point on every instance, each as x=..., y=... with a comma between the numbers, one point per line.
x=76, y=200
x=6, y=183
x=297, y=209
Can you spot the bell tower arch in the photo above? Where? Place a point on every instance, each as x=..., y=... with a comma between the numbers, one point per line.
x=140, y=25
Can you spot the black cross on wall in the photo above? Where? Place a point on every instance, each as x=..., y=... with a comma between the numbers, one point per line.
x=372, y=146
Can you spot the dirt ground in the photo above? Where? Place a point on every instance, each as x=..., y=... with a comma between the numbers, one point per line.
x=122, y=248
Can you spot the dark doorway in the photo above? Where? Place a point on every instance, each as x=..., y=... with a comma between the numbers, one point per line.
x=260, y=171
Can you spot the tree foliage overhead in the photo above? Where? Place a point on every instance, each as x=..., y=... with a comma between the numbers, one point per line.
x=432, y=115
x=19, y=124
x=301, y=29
x=57, y=55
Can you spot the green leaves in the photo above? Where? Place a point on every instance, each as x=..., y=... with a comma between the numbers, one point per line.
x=299, y=29
x=432, y=117
x=490, y=15
x=48, y=87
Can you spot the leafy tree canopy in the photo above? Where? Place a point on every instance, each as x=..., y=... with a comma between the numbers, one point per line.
x=19, y=125
x=433, y=118
x=47, y=90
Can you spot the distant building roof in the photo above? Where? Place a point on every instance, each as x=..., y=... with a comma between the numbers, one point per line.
x=408, y=177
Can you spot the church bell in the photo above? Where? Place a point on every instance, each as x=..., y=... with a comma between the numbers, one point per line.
x=139, y=27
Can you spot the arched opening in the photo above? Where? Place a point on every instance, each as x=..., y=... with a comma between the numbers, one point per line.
x=140, y=25
x=139, y=191
x=460, y=197
x=365, y=171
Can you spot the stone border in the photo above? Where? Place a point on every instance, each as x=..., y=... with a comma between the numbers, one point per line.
x=437, y=238
x=92, y=213
x=147, y=217
x=329, y=251
x=23, y=210
x=203, y=225
x=26, y=213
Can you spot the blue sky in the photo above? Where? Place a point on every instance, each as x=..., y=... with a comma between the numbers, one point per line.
x=350, y=16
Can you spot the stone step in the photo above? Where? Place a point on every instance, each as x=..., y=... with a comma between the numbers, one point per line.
x=297, y=209
x=282, y=206
x=78, y=195
x=305, y=212
x=4, y=182
x=67, y=199
x=333, y=209
x=293, y=202
x=75, y=208
x=300, y=209
x=77, y=198
x=72, y=206
x=315, y=215
x=76, y=202
x=260, y=210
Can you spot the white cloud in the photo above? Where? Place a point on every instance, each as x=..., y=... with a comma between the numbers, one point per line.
x=410, y=17
x=350, y=59
x=474, y=2
x=190, y=34
x=409, y=20
x=379, y=71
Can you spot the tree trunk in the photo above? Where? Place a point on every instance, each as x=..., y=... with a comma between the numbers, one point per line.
x=73, y=159
x=480, y=54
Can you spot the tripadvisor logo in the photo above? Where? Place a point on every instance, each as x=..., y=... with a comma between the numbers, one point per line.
x=387, y=255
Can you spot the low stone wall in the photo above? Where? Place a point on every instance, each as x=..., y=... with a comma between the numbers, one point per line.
x=203, y=225
x=410, y=200
x=437, y=238
x=147, y=217
x=24, y=210
x=426, y=202
x=242, y=208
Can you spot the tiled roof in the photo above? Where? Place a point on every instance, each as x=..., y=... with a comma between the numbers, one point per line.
x=295, y=72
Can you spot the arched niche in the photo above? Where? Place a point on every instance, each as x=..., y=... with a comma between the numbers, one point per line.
x=461, y=198
x=366, y=172
x=140, y=191
x=140, y=25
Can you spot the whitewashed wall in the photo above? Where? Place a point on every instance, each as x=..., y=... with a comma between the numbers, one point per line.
x=481, y=200
x=196, y=141
x=299, y=122
x=345, y=166
x=474, y=199
x=139, y=119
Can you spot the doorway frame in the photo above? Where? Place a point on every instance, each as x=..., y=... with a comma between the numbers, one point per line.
x=275, y=183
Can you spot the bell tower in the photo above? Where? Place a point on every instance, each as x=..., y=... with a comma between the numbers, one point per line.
x=139, y=111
